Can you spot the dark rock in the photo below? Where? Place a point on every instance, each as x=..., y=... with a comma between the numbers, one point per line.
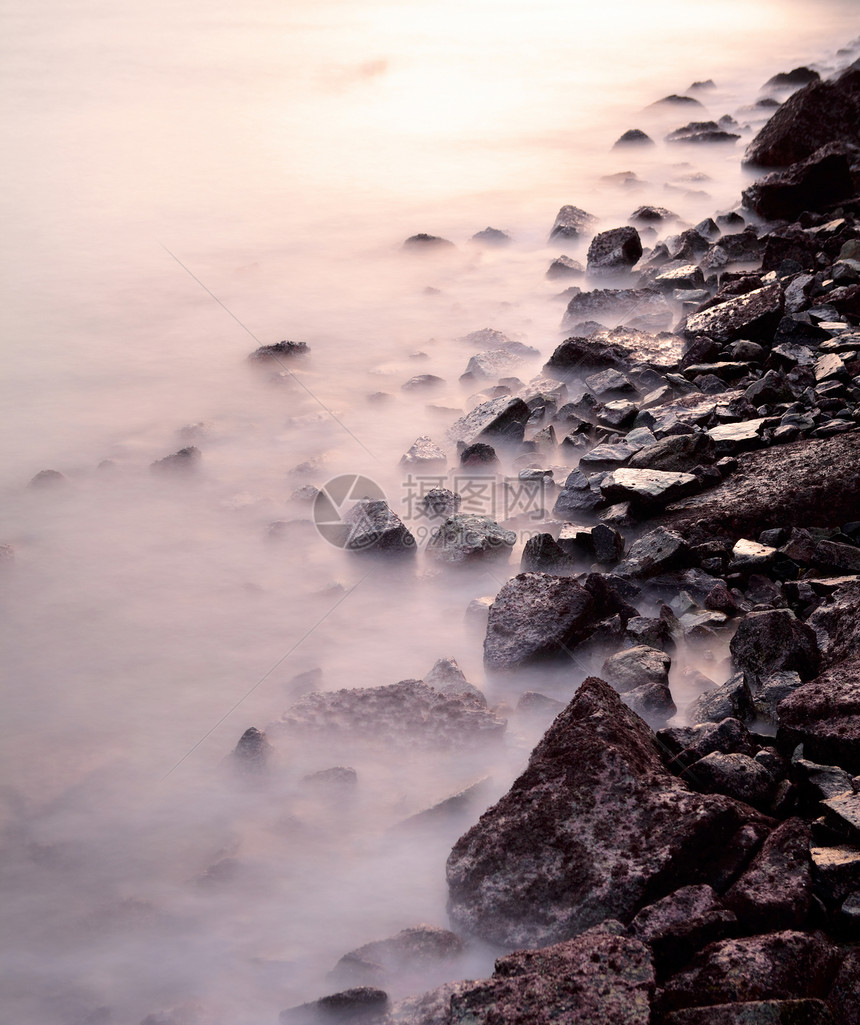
x=577, y=495
x=423, y=241
x=835, y=556
x=464, y=538
x=792, y=79
x=820, y=113
x=752, y=316
x=824, y=715
x=373, y=526
x=835, y=872
x=359, y=1005
x=565, y=267
x=492, y=237
x=655, y=552
x=775, y=891
x=646, y=487
x=688, y=276
x=571, y=222
x=634, y=667
x=643, y=309
x=776, y=966
x=732, y=700
x=410, y=951
x=279, y=351
x=440, y=502
x=536, y=616
x=735, y=775
x=594, y=828
x=768, y=642
x=608, y=543
x=183, y=461
x=478, y=454
x=819, y=782
x=403, y=715
x=251, y=754
x=676, y=101
x=52, y=478
x=501, y=419
x=543, y=554
x=614, y=251
x=756, y=1012
x=701, y=132
x=845, y=995
x=584, y=354
x=681, y=924
x=687, y=744
x=599, y=978
x=812, y=184
x=652, y=214
x=633, y=137
x=677, y=454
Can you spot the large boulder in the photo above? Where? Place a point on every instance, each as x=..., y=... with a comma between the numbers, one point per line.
x=536, y=616
x=502, y=419
x=371, y=525
x=614, y=251
x=821, y=113
x=773, y=641
x=647, y=488
x=595, y=828
x=645, y=309
x=571, y=222
x=824, y=716
x=681, y=923
x=812, y=184
x=753, y=316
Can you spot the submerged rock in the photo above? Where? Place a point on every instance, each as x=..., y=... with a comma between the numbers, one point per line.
x=571, y=222
x=279, y=351
x=594, y=828
x=463, y=538
x=373, y=526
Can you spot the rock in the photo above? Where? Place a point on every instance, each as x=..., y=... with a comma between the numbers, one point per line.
x=816, y=183
x=402, y=715
x=463, y=538
x=651, y=488
x=843, y=812
x=818, y=782
x=363, y=1004
x=688, y=276
x=735, y=775
x=824, y=716
x=423, y=242
x=750, y=555
x=565, y=267
x=599, y=978
x=679, y=453
x=373, y=526
x=769, y=642
x=185, y=460
x=251, y=754
x=422, y=381
x=543, y=554
x=52, y=478
x=685, y=745
x=280, y=350
x=634, y=667
x=492, y=237
x=608, y=543
x=340, y=779
x=594, y=828
x=584, y=354
x=837, y=624
x=820, y=113
x=835, y=556
x=644, y=309
x=447, y=677
x=491, y=365
x=776, y=966
x=576, y=495
x=845, y=995
x=652, y=215
x=571, y=222
x=700, y=132
x=835, y=872
x=478, y=454
x=756, y=1012
x=633, y=137
x=676, y=101
x=410, y=951
x=440, y=502
x=682, y=923
x=655, y=552
x=536, y=616
x=775, y=891
x=538, y=706
x=752, y=316
x=502, y=419
x=614, y=251
x=792, y=79
x=423, y=453
x=732, y=700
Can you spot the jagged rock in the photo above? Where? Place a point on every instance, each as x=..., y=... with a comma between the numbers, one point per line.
x=655, y=552
x=608, y=543
x=682, y=923
x=501, y=419
x=447, y=677
x=576, y=495
x=775, y=891
x=756, y=1012
x=845, y=995
x=373, y=526
x=770, y=642
x=776, y=966
x=278, y=351
x=835, y=872
x=685, y=745
x=543, y=554
x=819, y=782
x=440, y=502
x=645, y=309
x=678, y=453
x=688, y=276
x=752, y=316
x=571, y=222
x=734, y=775
x=647, y=487
x=732, y=700
x=837, y=624
x=251, y=754
x=565, y=267
x=843, y=812
x=633, y=137
x=424, y=453
x=701, y=132
x=405, y=714
x=613, y=251
x=821, y=113
x=595, y=827
x=536, y=616
x=492, y=364
x=634, y=667
x=464, y=538
x=812, y=184
x=422, y=381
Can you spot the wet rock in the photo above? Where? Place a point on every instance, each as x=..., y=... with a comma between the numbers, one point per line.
x=643, y=309
x=585, y=355
x=252, y=753
x=577, y=495
x=641, y=675
x=608, y=543
x=410, y=951
x=734, y=775
x=478, y=454
x=820, y=113
x=652, y=215
x=536, y=616
x=756, y=1012
x=646, y=487
x=501, y=419
x=633, y=137
x=821, y=180
x=614, y=251
x=682, y=923
x=819, y=782
x=837, y=624
x=491, y=365
x=770, y=642
x=835, y=556
x=424, y=453
x=362, y=1004
x=543, y=554
x=464, y=538
x=655, y=552
x=571, y=222
x=752, y=316
x=732, y=700
x=405, y=714
x=676, y=454
x=685, y=745
x=775, y=891
x=594, y=828
x=688, y=276
x=278, y=351
x=440, y=502
x=371, y=526
x=422, y=242
x=776, y=966
x=565, y=267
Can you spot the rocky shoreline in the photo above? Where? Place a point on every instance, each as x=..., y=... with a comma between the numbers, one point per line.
x=677, y=875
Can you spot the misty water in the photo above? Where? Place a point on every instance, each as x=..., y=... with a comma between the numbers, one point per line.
x=183, y=183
